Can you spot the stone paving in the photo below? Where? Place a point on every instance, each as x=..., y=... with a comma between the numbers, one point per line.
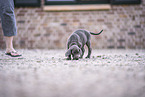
x=46, y=73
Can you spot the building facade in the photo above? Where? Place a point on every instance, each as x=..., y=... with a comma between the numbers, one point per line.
x=123, y=25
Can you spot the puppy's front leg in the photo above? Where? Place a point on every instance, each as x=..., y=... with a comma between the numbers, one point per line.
x=83, y=50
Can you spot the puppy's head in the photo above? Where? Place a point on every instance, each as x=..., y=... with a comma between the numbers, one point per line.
x=75, y=51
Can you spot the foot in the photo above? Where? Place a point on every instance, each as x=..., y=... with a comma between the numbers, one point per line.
x=13, y=54
x=8, y=50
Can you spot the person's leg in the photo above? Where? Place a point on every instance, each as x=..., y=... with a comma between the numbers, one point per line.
x=9, y=26
x=9, y=47
x=9, y=44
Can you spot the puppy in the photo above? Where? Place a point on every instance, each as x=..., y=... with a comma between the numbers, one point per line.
x=76, y=42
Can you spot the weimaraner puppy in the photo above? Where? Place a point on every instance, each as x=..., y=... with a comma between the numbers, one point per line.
x=76, y=42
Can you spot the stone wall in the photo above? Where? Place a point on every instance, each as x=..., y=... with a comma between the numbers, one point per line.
x=123, y=25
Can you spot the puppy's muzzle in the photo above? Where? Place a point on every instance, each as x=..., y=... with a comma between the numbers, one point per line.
x=76, y=57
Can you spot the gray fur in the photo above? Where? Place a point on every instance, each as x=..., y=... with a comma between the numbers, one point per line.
x=76, y=42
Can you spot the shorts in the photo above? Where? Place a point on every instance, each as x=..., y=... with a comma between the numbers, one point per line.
x=8, y=20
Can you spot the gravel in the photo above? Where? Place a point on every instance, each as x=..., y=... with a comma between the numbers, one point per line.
x=47, y=73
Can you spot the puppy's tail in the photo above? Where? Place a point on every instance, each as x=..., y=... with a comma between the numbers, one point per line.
x=96, y=33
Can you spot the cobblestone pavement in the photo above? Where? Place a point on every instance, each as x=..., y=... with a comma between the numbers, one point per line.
x=46, y=73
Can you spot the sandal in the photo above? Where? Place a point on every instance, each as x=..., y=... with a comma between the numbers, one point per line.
x=13, y=54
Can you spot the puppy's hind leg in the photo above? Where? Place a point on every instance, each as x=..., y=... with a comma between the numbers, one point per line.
x=89, y=49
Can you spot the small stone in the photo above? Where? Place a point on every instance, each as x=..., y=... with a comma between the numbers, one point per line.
x=38, y=61
x=99, y=56
x=137, y=54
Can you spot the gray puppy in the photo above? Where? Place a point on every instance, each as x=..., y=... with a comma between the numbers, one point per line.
x=76, y=42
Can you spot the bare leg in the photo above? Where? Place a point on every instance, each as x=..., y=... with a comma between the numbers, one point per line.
x=9, y=47
x=9, y=44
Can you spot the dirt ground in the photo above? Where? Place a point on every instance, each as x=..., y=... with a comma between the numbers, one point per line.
x=46, y=73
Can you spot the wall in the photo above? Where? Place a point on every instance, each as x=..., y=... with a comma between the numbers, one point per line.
x=123, y=25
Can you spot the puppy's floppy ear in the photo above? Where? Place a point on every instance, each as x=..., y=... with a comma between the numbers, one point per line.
x=68, y=52
x=79, y=44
